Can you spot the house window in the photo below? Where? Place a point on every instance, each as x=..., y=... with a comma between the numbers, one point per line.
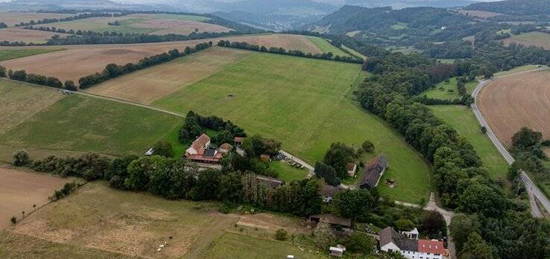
x=390, y=250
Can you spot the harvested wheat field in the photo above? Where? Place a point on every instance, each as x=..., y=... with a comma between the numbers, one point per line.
x=20, y=190
x=512, y=102
x=537, y=39
x=148, y=85
x=29, y=36
x=12, y=18
x=88, y=59
x=145, y=23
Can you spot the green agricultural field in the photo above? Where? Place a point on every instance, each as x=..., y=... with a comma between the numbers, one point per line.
x=539, y=39
x=463, y=120
x=306, y=104
x=78, y=123
x=326, y=47
x=517, y=69
x=448, y=90
x=288, y=173
x=233, y=245
x=7, y=54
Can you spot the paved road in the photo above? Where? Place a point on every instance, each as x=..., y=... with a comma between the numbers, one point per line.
x=533, y=192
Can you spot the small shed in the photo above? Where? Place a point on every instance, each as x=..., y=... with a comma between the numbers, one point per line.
x=238, y=140
x=337, y=251
x=149, y=152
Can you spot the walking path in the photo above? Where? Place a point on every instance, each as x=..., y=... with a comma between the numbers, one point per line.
x=533, y=192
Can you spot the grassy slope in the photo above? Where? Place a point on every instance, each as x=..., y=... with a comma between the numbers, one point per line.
x=86, y=124
x=516, y=70
x=539, y=39
x=7, y=54
x=448, y=90
x=233, y=245
x=307, y=105
x=463, y=120
x=326, y=47
x=22, y=246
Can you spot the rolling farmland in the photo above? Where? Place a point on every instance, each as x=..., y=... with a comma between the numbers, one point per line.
x=29, y=36
x=12, y=18
x=303, y=103
x=538, y=39
x=512, y=102
x=96, y=57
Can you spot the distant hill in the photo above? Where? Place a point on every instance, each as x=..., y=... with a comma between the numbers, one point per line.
x=514, y=7
x=33, y=5
x=399, y=4
x=385, y=19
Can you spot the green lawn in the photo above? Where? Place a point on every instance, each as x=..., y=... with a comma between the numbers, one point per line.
x=463, y=120
x=79, y=123
x=448, y=90
x=232, y=245
x=288, y=173
x=306, y=104
x=326, y=47
x=7, y=54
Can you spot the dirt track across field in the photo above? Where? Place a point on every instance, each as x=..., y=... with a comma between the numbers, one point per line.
x=521, y=100
x=20, y=190
x=82, y=60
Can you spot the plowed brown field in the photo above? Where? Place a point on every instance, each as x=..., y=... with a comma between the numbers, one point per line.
x=31, y=36
x=20, y=190
x=82, y=60
x=512, y=102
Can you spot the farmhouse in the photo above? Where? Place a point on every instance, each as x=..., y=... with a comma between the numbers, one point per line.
x=391, y=241
x=374, y=171
x=201, y=151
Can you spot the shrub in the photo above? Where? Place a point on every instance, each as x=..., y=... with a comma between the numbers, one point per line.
x=368, y=146
x=13, y=220
x=21, y=158
x=281, y=235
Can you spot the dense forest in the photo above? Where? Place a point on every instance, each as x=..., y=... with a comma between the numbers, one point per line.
x=514, y=7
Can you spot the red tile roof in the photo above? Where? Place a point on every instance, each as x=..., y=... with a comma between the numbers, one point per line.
x=431, y=246
x=200, y=143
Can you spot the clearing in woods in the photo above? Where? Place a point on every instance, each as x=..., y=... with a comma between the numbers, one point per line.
x=20, y=191
x=144, y=23
x=78, y=123
x=148, y=85
x=88, y=59
x=306, y=104
x=28, y=36
x=462, y=119
x=448, y=90
x=539, y=39
x=512, y=102
x=104, y=220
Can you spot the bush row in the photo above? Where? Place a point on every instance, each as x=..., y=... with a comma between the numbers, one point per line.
x=23, y=76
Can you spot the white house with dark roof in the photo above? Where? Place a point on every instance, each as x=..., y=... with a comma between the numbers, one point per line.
x=392, y=241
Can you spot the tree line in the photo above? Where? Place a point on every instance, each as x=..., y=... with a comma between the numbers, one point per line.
x=459, y=177
x=23, y=76
x=113, y=70
x=282, y=51
x=194, y=125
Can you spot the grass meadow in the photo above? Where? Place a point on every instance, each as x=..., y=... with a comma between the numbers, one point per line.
x=306, y=104
x=77, y=123
x=100, y=222
x=7, y=54
x=462, y=119
x=326, y=47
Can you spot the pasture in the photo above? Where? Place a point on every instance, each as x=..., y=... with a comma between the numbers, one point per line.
x=28, y=36
x=462, y=119
x=88, y=59
x=85, y=124
x=146, y=86
x=326, y=47
x=144, y=23
x=307, y=105
x=12, y=18
x=447, y=90
x=103, y=220
x=516, y=101
x=22, y=191
x=538, y=39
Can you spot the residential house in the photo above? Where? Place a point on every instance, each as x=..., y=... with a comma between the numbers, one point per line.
x=328, y=192
x=373, y=172
x=392, y=241
x=201, y=151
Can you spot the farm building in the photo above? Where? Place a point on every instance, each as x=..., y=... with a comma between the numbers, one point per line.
x=373, y=172
x=328, y=192
x=201, y=151
x=392, y=241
